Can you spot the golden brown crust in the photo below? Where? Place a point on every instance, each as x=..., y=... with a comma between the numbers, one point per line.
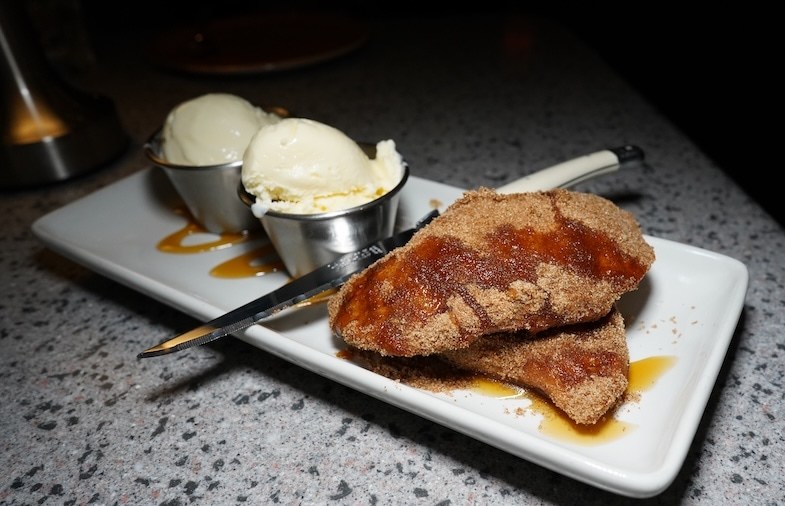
x=583, y=368
x=493, y=263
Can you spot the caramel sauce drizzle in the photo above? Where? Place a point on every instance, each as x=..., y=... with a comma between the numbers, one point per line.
x=420, y=372
x=257, y=262
x=320, y=298
x=174, y=242
x=643, y=375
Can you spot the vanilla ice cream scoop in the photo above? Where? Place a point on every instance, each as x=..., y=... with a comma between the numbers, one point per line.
x=211, y=129
x=301, y=166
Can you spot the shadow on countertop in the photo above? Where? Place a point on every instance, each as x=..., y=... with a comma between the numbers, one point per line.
x=709, y=71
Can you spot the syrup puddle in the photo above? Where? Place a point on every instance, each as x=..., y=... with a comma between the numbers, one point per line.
x=192, y=238
x=256, y=262
x=643, y=375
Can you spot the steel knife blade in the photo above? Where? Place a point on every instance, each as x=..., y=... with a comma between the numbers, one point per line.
x=317, y=281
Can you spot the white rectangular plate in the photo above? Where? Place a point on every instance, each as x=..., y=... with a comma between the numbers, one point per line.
x=687, y=307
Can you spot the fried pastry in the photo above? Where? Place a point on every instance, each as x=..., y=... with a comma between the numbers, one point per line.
x=583, y=368
x=494, y=263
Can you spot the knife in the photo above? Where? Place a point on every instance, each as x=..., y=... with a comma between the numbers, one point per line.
x=315, y=282
x=338, y=271
x=576, y=170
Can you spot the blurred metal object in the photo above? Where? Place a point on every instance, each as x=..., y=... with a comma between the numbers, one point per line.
x=50, y=130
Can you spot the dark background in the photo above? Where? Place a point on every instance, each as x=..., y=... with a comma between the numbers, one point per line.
x=709, y=70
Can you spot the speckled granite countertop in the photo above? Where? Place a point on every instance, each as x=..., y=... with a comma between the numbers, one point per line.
x=82, y=421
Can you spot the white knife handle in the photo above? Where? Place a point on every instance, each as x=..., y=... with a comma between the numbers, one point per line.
x=575, y=171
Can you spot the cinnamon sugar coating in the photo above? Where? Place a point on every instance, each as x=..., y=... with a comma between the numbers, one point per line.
x=494, y=263
x=581, y=368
